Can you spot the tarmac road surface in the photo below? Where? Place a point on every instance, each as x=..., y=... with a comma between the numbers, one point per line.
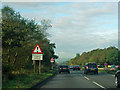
x=77, y=79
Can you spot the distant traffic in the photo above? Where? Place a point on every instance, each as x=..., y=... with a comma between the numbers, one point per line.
x=91, y=67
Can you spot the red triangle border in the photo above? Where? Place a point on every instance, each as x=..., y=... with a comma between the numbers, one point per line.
x=37, y=52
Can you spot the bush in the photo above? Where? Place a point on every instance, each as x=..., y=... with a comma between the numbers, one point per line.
x=45, y=69
x=6, y=72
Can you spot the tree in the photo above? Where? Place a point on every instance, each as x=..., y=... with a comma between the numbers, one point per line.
x=100, y=56
x=19, y=37
x=77, y=55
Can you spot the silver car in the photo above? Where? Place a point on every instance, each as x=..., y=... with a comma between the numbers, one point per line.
x=117, y=78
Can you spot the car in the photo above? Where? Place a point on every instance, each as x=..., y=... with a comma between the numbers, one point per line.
x=113, y=68
x=64, y=68
x=76, y=67
x=118, y=67
x=117, y=78
x=71, y=67
x=56, y=67
x=100, y=67
x=91, y=67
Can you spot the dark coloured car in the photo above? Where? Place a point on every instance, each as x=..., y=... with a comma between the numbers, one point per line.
x=64, y=68
x=91, y=67
x=76, y=67
x=117, y=78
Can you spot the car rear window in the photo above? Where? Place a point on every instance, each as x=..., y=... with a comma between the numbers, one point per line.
x=64, y=66
x=76, y=66
x=92, y=65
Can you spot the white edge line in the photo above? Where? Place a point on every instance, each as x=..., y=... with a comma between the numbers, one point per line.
x=86, y=78
x=99, y=85
x=113, y=75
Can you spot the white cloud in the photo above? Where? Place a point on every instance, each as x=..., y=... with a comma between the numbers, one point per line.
x=77, y=27
x=86, y=29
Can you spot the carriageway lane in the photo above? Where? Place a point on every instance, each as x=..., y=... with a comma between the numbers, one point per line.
x=76, y=79
x=104, y=79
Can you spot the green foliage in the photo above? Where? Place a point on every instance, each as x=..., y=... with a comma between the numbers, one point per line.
x=100, y=56
x=77, y=55
x=26, y=80
x=19, y=37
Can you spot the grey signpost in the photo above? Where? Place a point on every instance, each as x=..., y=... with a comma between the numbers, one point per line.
x=37, y=54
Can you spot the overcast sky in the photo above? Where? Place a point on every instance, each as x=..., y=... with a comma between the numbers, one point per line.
x=77, y=27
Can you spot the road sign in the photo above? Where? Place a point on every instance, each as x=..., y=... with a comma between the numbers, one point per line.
x=52, y=60
x=37, y=53
x=37, y=56
x=106, y=64
x=37, y=50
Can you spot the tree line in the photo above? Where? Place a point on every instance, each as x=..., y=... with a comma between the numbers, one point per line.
x=111, y=55
x=19, y=37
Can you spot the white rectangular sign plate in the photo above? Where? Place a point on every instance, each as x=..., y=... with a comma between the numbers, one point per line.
x=51, y=61
x=37, y=56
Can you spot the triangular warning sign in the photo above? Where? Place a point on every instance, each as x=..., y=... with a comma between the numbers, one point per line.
x=37, y=50
x=52, y=59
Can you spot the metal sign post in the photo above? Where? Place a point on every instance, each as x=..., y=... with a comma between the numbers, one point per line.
x=37, y=54
x=52, y=65
x=39, y=66
x=34, y=65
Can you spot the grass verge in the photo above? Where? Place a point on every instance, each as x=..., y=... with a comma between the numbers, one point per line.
x=107, y=71
x=26, y=80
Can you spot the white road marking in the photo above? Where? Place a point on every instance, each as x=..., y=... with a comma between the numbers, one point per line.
x=113, y=75
x=81, y=75
x=86, y=78
x=99, y=85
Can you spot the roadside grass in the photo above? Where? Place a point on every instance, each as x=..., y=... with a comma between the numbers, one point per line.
x=26, y=80
x=107, y=71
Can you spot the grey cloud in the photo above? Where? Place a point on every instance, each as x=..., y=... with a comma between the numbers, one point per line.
x=77, y=29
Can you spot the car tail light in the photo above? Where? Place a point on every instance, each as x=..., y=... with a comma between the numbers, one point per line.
x=60, y=68
x=74, y=67
x=78, y=67
x=91, y=63
x=97, y=66
x=117, y=66
x=68, y=68
x=86, y=67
